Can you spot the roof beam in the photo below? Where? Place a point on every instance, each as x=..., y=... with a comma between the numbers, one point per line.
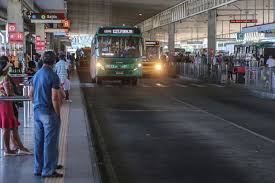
x=184, y=10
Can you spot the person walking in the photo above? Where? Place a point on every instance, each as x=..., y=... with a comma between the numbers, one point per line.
x=62, y=69
x=8, y=119
x=45, y=93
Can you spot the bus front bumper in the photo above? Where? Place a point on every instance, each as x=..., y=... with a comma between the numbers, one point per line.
x=119, y=73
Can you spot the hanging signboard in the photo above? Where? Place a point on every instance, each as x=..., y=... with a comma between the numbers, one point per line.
x=66, y=23
x=50, y=30
x=244, y=21
x=47, y=17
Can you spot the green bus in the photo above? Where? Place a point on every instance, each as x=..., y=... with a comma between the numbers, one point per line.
x=116, y=54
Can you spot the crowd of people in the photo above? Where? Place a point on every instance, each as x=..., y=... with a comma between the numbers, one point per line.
x=50, y=84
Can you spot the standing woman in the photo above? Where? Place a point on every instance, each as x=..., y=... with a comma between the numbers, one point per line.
x=8, y=121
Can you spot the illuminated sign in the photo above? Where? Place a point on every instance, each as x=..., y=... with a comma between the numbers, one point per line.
x=41, y=49
x=12, y=27
x=119, y=31
x=16, y=37
x=244, y=21
x=50, y=30
x=66, y=23
x=47, y=17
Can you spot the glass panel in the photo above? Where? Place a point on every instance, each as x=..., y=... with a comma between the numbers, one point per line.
x=120, y=47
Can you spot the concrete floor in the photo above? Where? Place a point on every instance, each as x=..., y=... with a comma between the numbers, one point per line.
x=76, y=149
x=175, y=131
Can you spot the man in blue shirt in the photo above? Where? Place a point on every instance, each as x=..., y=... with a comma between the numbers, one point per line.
x=46, y=99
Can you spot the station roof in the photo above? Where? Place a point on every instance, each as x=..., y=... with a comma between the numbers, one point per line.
x=45, y=5
x=86, y=15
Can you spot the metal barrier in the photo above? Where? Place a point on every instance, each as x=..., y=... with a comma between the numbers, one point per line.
x=211, y=73
x=260, y=78
x=27, y=105
x=24, y=99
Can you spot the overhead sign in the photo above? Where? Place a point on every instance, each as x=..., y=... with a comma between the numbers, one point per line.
x=240, y=36
x=12, y=27
x=194, y=42
x=60, y=34
x=66, y=23
x=119, y=31
x=47, y=17
x=259, y=28
x=50, y=30
x=244, y=21
x=16, y=37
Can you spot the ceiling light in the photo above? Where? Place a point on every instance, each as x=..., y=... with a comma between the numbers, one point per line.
x=140, y=14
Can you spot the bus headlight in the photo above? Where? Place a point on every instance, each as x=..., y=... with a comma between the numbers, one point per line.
x=100, y=66
x=158, y=67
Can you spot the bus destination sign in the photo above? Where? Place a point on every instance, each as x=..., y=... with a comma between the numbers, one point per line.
x=119, y=31
x=152, y=43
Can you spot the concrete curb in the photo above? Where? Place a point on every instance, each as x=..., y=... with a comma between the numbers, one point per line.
x=95, y=176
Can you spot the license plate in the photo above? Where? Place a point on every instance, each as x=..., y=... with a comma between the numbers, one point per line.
x=119, y=73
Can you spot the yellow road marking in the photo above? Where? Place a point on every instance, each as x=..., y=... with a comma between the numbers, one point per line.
x=65, y=110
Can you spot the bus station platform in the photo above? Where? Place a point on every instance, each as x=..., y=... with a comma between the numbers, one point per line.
x=76, y=151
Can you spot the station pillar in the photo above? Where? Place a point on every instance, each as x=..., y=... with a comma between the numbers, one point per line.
x=40, y=31
x=171, y=37
x=212, y=29
x=14, y=11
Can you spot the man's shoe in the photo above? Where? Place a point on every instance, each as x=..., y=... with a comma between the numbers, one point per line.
x=54, y=175
x=59, y=167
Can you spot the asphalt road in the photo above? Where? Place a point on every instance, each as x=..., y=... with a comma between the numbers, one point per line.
x=175, y=131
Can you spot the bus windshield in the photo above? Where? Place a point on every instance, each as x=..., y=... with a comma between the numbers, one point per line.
x=152, y=53
x=120, y=47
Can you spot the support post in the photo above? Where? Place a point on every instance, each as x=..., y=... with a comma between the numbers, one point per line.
x=212, y=21
x=171, y=37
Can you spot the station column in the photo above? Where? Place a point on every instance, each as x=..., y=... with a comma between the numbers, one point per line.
x=171, y=37
x=212, y=21
x=40, y=31
x=14, y=10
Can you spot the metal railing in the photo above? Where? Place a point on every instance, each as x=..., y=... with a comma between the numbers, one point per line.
x=255, y=78
x=260, y=78
x=27, y=106
x=210, y=73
